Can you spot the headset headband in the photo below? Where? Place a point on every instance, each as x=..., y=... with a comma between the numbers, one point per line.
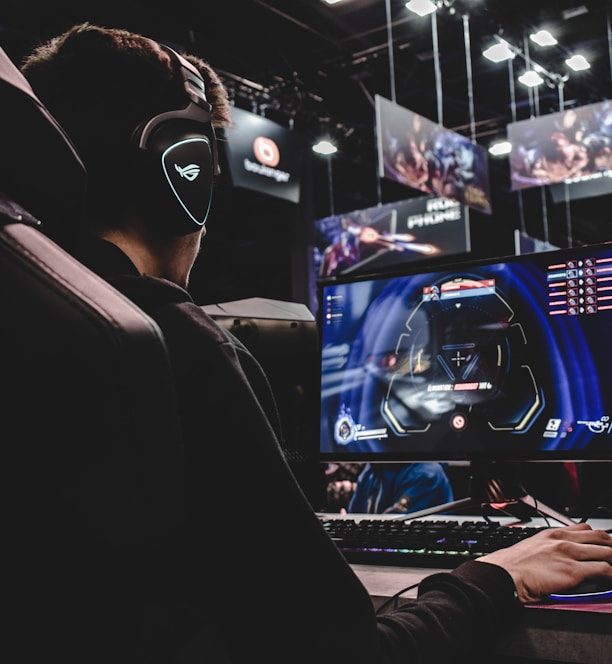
x=198, y=109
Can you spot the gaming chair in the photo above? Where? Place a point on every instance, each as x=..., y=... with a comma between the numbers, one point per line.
x=91, y=444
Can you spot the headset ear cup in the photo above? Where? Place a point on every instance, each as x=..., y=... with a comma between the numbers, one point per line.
x=175, y=174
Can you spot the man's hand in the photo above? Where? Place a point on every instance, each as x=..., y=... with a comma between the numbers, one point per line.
x=555, y=560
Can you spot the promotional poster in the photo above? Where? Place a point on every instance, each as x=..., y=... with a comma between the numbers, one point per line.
x=572, y=147
x=421, y=154
x=386, y=236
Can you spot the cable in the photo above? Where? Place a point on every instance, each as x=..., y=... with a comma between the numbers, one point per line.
x=395, y=597
x=541, y=514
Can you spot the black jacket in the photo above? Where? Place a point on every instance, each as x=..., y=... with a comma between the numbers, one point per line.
x=254, y=557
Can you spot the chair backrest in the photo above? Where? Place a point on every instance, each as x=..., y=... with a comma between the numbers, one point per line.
x=89, y=427
x=39, y=166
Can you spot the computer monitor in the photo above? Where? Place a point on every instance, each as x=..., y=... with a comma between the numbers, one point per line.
x=484, y=361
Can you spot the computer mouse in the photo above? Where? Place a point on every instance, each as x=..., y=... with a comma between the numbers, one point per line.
x=592, y=590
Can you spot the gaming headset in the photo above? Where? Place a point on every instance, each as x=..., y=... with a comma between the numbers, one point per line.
x=177, y=156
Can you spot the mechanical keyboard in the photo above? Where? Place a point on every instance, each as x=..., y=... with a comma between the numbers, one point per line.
x=420, y=543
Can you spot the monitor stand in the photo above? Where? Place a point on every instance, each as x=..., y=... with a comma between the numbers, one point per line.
x=496, y=485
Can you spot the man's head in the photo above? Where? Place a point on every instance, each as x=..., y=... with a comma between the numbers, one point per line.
x=141, y=120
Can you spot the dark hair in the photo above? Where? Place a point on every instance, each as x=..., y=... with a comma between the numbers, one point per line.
x=100, y=84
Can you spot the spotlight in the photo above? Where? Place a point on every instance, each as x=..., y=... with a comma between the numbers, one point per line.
x=421, y=7
x=500, y=148
x=577, y=63
x=531, y=79
x=499, y=52
x=324, y=147
x=543, y=38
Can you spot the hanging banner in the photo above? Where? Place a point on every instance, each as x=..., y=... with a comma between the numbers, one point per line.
x=387, y=236
x=423, y=155
x=570, y=150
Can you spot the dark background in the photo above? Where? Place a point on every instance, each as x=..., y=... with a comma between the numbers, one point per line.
x=316, y=68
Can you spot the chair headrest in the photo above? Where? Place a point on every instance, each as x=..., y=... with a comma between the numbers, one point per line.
x=39, y=166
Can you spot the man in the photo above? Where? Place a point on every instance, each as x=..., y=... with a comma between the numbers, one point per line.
x=257, y=563
x=400, y=488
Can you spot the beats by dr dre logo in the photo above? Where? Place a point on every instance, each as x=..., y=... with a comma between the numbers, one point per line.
x=266, y=151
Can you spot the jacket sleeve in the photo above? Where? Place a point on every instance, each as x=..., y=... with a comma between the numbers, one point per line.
x=457, y=614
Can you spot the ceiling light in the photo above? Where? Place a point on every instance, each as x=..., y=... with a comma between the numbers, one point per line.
x=324, y=147
x=499, y=52
x=531, y=79
x=332, y=2
x=543, y=38
x=577, y=63
x=500, y=148
x=421, y=7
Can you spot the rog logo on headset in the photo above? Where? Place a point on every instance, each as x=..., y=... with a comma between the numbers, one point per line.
x=190, y=172
x=195, y=153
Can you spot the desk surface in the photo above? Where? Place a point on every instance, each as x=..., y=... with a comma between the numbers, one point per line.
x=579, y=633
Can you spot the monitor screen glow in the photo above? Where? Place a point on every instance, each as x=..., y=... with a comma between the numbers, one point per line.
x=495, y=360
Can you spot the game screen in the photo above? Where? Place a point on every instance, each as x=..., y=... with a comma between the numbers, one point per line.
x=493, y=360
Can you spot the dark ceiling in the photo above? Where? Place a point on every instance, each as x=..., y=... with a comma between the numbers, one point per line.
x=313, y=66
